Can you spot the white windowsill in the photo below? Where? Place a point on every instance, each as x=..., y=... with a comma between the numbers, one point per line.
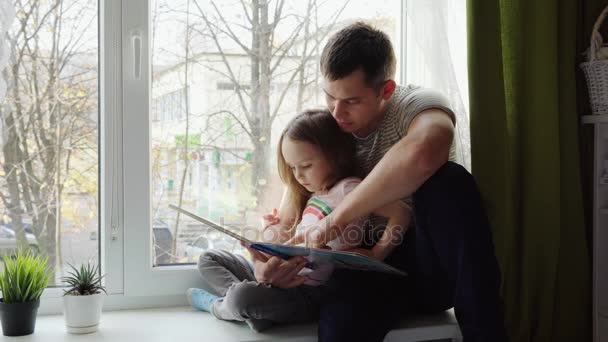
x=185, y=324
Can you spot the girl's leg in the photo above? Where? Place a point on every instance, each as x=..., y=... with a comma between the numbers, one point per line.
x=220, y=270
x=231, y=276
x=262, y=305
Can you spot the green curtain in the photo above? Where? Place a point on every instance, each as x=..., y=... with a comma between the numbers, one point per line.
x=525, y=157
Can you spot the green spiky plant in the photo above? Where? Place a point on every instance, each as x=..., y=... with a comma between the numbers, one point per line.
x=24, y=278
x=84, y=281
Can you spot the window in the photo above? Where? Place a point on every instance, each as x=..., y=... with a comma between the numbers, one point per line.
x=49, y=143
x=119, y=108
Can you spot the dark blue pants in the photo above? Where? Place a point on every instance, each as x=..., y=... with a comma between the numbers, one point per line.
x=450, y=258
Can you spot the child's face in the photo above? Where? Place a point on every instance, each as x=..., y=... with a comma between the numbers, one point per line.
x=308, y=164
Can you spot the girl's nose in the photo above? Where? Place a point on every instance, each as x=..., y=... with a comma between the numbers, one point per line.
x=298, y=174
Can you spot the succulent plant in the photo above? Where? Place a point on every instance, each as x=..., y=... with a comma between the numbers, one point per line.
x=84, y=281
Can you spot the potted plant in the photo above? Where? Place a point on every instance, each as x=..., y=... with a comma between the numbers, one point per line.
x=83, y=301
x=22, y=282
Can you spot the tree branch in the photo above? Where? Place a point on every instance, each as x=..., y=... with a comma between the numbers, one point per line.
x=230, y=33
x=221, y=51
x=238, y=120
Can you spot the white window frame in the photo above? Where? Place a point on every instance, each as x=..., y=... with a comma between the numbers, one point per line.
x=141, y=278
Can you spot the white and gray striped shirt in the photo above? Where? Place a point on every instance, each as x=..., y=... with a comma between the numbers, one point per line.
x=404, y=105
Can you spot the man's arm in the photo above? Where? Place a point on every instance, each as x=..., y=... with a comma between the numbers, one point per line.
x=402, y=170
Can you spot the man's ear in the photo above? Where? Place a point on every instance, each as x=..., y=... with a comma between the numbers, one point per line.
x=388, y=89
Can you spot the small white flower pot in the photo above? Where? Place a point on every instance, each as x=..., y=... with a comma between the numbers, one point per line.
x=82, y=313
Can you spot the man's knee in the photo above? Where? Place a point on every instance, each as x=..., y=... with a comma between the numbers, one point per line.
x=452, y=189
x=450, y=176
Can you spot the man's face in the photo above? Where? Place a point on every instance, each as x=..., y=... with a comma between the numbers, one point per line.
x=356, y=107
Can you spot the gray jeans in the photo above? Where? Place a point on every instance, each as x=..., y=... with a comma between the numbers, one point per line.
x=231, y=277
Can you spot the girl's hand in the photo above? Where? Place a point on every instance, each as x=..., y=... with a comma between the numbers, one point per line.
x=271, y=219
x=276, y=271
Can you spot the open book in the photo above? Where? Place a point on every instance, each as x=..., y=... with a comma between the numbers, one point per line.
x=316, y=256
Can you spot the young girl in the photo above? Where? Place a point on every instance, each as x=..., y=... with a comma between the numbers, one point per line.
x=316, y=163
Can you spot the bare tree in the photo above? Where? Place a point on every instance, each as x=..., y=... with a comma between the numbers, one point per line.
x=49, y=116
x=270, y=60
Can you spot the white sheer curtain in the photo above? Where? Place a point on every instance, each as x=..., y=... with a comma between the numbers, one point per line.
x=436, y=55
x=7, y=14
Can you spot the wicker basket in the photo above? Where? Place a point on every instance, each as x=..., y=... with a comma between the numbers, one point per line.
x=596, y=70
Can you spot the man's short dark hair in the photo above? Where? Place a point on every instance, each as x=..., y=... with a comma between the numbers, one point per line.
x=359, y=46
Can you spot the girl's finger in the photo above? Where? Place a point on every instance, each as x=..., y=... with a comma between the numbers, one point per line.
x=282, y=272
x=274, y=262
x=257, y=255
x=297, y=268
x=296, y=240
x=276, y=269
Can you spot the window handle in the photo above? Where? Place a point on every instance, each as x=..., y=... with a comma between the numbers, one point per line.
x=136, y=42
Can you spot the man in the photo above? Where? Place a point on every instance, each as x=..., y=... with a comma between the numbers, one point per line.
x=404, y=137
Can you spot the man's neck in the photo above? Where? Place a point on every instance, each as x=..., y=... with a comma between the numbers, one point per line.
x=373, y=126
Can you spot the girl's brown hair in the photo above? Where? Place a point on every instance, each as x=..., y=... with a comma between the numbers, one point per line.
x=319, y=128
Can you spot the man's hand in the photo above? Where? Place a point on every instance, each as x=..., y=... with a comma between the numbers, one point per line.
x=319, y=235
x=276, y=271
